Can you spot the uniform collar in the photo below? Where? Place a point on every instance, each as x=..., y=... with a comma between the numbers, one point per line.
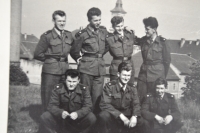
x=165, y=98
x=90, y=30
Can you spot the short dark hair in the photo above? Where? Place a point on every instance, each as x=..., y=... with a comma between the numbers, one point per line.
x=124, y=66
x=151, y=21
x=161, y=81
x=58, y=12
x=73, y=73
x=93, y=12
x=116, y=20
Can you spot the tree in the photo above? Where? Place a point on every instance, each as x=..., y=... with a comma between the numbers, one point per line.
x=192, y=89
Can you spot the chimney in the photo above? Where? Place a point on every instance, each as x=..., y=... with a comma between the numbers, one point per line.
x=25, y=36
x=197, y=42
x=182, y=42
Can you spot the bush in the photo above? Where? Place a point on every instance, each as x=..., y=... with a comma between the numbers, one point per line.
x=192, y=90
x=17, y=76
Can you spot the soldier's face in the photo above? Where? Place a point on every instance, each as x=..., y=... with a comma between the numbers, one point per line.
x=72, y=82
x=95, y=21
x=119, y=28
x=150, y=32
x=124, y=76
x=160, y=90
x=60, y=22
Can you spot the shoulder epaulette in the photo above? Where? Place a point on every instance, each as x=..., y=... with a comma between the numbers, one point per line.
x=131, y=84
x=112, y=83
x=80, y=32
x=109, y=35
x=170, y=95
x=47, y=32
x=102, y=27
x=67, y=31
x=162, y=39
x=149, y=95
x=58, y=86
x=82, y=86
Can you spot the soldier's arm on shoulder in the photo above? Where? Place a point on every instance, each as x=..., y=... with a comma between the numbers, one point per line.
x=42, y=47
x=146, y=113
x=75, y=50
x=166, y=55
x=107, y=47
x=54, y=103
x=87, y=102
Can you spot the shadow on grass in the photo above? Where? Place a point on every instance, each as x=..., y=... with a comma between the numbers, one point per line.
x=35, y=111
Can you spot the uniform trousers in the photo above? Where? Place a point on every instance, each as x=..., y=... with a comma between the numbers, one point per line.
x=95, y=85
x=59, y=125
x=48, y=83
x=108, y=124
x=145, y=87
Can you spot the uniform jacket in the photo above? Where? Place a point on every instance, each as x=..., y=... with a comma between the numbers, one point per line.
x=51, y=48
x=167, y=106
x=115, y=103
x=156, y=59
x=120, y=48
x=79, y=101
x=89, y=42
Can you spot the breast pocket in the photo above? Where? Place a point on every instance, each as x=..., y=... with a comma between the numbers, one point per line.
x=116, y=100
x=90, y=45
x=127, y=101
x=78, y=102
x=67, y=45
x=56, y=46
x=157, y=52
x=116, y=49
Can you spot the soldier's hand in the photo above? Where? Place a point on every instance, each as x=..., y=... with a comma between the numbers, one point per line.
x=78, y=60
x=124, y=119
x=64, y=114
x=159, y=119
x=168, y=119
x=133, y=122
x=129, y=29
x=73, y=115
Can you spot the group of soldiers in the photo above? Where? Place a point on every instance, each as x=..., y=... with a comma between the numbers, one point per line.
x=75, y=101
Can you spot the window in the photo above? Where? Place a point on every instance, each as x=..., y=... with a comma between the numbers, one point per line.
x=174, y=86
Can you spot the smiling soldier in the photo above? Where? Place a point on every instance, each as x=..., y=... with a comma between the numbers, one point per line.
x=53, y=49
x=69, y=109
x=120, y=104
x=161, y=110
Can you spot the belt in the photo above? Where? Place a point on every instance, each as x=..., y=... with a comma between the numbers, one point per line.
x=152, y=62
x=122, y=58
x=61, y=59
x=93, y=55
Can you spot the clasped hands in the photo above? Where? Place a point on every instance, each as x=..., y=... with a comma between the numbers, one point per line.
x=129, y=123
x=73, y=115
x=165, y=120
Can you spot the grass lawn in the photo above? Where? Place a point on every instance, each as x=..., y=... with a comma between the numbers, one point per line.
x=25, y=110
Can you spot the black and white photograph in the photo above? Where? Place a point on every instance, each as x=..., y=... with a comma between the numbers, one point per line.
x=102, y=66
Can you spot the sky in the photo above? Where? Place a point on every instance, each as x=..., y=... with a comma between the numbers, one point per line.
x=177, y=18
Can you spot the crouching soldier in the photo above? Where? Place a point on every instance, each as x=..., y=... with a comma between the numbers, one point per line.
x=161, y=110
x=120, y=104
x=69, y=109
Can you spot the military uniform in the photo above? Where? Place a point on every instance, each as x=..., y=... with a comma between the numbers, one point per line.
x=92, y=66
x=121, y=49
x=162, y=107
x=78, y=101
x=115, y=101
x=53, y=50
x=156, y=61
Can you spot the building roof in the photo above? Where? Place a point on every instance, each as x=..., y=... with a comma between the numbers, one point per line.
x=182, y=62
x=28, y=45
x=189, y=47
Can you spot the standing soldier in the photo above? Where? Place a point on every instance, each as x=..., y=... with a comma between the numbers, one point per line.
x=120, y=47
x=156, y=58
x=88, y=50
x=53, y=49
